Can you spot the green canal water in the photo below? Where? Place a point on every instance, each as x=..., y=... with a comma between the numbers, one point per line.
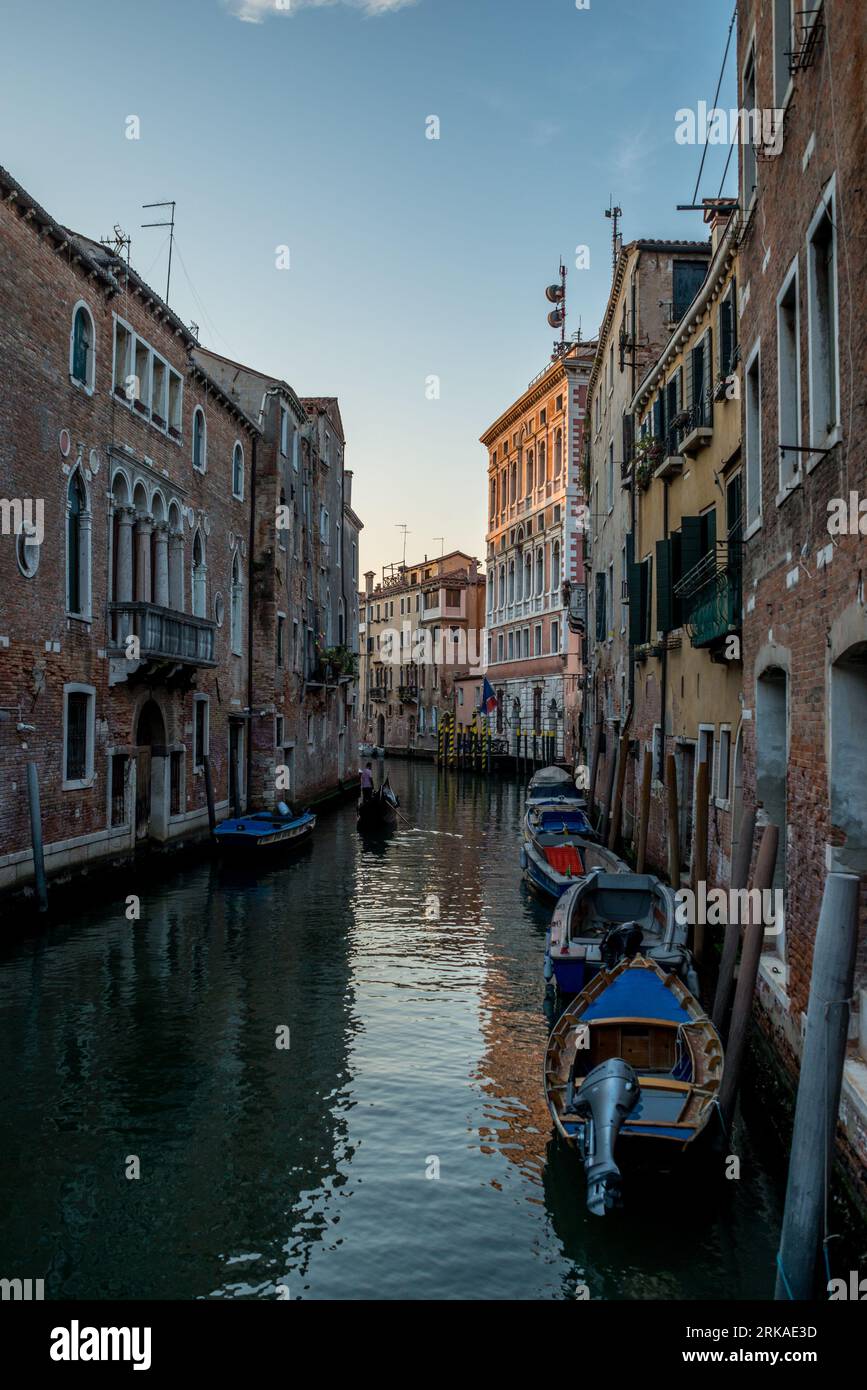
x=409, y=976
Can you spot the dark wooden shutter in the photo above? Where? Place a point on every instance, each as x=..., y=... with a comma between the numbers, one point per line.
x=601, y=624
x=676, y=576
x=646, y=593
x=657, y=417
x=663, y=586
x=708, y=376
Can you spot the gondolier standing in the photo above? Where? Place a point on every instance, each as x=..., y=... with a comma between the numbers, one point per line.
x=366, y=783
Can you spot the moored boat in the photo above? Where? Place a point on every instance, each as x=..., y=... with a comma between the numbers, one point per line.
x=553, y=786
x=606, y=916
x=633, y=1061
x=559, y=847
x=265, y=830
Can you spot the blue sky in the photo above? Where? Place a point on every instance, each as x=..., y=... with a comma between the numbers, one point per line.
x=409, y=257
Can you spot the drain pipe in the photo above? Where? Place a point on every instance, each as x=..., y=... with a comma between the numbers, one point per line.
x=252, y=534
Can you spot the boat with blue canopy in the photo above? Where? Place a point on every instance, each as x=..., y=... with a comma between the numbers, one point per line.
x=265, y=830
x=559, y=847
x=634, y=1061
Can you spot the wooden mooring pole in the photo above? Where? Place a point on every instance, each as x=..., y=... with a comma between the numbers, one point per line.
x=617, y=808
x=209, y=793
x=673, y=827
x=699, y=858
x=40, y=881
x=812, y=1151
x=743, y=857
x=754, y=933
x=644, y=820
x=594, y=767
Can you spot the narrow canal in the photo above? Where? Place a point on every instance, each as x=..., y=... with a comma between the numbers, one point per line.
x=409, y=976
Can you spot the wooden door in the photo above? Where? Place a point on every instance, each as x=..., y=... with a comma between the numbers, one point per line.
x=142, y=792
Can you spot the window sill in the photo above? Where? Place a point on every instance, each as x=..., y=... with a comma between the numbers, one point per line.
x=722, y=803
x=80, y=385
x=823, y=449
x=753, y=527
x=78, y=784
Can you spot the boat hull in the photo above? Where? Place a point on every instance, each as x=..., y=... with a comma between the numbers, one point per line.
x=251, y=835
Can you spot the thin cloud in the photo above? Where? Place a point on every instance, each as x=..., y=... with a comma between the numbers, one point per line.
x=257, y=11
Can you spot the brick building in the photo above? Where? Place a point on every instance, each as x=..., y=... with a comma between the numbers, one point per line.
x=304, y=644
x=123, y=637
x=803, y=270
x=423, y=624
x=536, y=591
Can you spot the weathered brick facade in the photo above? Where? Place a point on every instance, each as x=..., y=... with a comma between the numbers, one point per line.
x=803, y=275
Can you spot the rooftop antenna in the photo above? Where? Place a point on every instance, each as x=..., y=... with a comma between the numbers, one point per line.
x=402, y=526
x=556, y=295
x=171, y=226
x=615, y=214
x=117, y=243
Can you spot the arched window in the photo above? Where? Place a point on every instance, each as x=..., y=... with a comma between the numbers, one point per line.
x=502, y=586
x=528, y=575
x=511, y=581
x=542, y=478
x=540, y=571
x=77, y=547
x=238, y=471
x=555, y=566
x=200, y=440
x=199, y=577
x=558, y=453
x=82, y=359
x=341, y=623
x=236, y=613
x=493, y=498
x=529, y=472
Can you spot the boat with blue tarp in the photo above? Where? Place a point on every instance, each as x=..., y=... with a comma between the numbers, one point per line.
x=634, y=1060
x=265, y=830
x=559, y=847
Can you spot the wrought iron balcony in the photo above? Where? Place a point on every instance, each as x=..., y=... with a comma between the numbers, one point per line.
x=407, y=693
x=711, y=596
x=163, y=634
x=378, y=692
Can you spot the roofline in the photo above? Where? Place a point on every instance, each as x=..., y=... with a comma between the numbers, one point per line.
x=536, y=389
x=253, y=371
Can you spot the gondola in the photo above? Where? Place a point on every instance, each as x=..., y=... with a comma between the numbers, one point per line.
x=605, y=916
x=263, y=831
x=635, y=1062
x=379, y=812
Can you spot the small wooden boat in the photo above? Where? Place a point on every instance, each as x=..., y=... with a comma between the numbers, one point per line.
x=633, y=1059
x=559, y=847
x=265, y=830
x=606, y=916
x=552, y=786
x=379, y=811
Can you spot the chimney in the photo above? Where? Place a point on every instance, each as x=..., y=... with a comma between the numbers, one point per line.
x=369, y=576
x=347, y=486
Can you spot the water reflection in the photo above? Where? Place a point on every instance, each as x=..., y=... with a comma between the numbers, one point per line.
x=408, y=970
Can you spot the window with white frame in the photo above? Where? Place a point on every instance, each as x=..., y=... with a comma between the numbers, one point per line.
x=238, y=471
x=236, y=610
x=78, y=521
x=749, y=165
x=284, y=431
x=723, y=774
x=555, y=636
x=822, y=324
x=789, y=379
x=79, y=707
x=784, y=43
x=753, y=437
x=82, y=354
x=538, y=640
x=145, y=382
x=611, y=475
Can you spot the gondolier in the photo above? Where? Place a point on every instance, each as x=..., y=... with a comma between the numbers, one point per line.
x=366, y=783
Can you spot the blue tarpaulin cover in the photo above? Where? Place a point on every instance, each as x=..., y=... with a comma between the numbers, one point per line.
x=637, y=993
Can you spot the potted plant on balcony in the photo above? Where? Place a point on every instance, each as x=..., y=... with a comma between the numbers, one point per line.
x=649, y=453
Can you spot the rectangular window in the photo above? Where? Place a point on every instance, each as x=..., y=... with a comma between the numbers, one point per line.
x=284, y=431
x=142, y=372
x=723, y=763
x=278, y=732
x=555, y=636
x=749, y=165
x=611, y=475
x=789, y=380
x=281, y=628
x=159, y=394
x=499, y=646
x=705, y=755
x=118, y=767
x=78, y=736
x=822, y=327
x=176, y=403
x=538, y=639
x=526, y=641
x=784, y=42
x=511, y=646
x=200, y=731
x=753, y=438
x=176, y=782
x=122, y=349
x=728, y=331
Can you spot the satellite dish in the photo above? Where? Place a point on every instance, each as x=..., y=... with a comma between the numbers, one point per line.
x=557, y=318
x=555, y=294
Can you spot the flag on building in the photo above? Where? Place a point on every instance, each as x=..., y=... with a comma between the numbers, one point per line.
x=489, y=699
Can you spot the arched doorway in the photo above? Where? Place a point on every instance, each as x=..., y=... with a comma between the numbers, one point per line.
x=380, y=731
x=151, y=820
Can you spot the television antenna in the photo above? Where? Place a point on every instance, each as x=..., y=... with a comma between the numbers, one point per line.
x=171, y=225
x=402, y=526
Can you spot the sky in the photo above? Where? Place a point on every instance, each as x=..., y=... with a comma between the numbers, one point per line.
x=303, y=124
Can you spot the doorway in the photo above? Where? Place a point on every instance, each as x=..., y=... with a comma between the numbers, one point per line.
x=236, y=766
x=151, y=806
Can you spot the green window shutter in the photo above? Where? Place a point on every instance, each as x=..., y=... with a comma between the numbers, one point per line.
x=646, y=592
x=676, y=576
x=79, y=347
x=601, y=629
x=709, y=519
x=635, y=624
x=657, y=418
x=708, y=377
x=663, y=586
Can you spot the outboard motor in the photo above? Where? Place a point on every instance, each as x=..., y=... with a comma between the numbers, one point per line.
x=608, y=1095
x=621, y=942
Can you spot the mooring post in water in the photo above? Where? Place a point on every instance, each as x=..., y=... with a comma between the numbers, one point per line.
x=209, y=793
x=818, y=1104
x=617, y=808
x=673, y=828
x=699, y=876
x=40, y=883
x=609, y=798
x=743, y=857
x=644, y=819
x=594, y=768
x=754, y=934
